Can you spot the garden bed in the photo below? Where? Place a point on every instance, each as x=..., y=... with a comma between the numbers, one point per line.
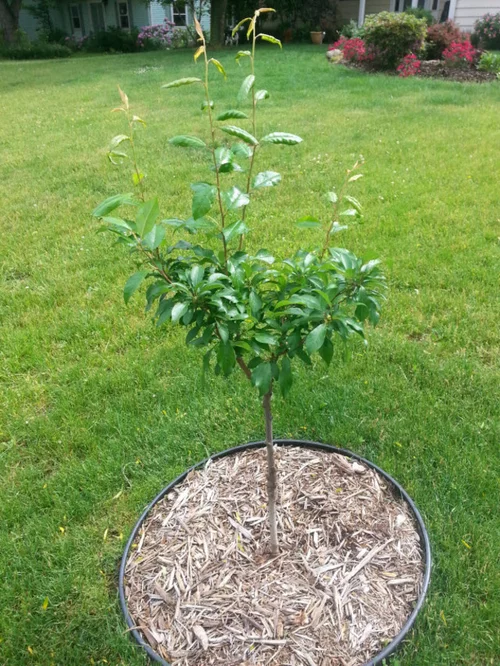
x=433, y=69
x=202, y=588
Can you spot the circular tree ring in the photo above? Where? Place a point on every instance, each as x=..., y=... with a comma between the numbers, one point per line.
x=424, y=538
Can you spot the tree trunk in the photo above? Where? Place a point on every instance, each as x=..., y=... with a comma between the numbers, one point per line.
x=271, y=473
x=217, y=22
x=9, y=20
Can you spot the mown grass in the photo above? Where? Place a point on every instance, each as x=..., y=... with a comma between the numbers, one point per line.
x=99, y=410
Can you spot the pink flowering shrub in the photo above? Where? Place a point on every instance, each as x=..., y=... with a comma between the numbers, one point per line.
x=156, y=36
x=409, y=66
x=460, y=54
x=487, y=30
x=354, y=50
x=339, y=44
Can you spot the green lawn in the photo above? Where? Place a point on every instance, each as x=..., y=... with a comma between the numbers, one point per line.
x=99, y=410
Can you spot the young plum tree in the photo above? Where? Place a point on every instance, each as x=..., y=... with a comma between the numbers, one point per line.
x=245, y=308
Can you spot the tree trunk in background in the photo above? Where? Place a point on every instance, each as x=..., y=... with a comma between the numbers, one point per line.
x=217, y=22
x=9, y=19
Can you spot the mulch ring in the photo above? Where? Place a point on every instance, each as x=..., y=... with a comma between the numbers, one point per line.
x=203, y=590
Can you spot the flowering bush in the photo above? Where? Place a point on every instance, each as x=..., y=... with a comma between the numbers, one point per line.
x=75, y=43
x=439, y=37
x=339, y=44
x=409, y=66
x=390, y=36
x=355, y=50
x=152, y=37
x=460, y=54
x=487, y=30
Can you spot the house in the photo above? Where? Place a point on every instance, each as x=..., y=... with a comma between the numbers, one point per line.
x=464, y=12
x=83, y=18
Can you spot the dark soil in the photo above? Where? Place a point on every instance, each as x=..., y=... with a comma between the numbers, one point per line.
x=436, y=69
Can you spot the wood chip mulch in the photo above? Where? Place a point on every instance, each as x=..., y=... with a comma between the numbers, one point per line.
x=203, y=590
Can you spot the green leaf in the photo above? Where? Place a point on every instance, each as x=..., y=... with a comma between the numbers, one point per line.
x=146, y=216
x=241, y=150
x=262, y=377
x=270, y=39
x=185, y=141
x=226, y=357
x=240, y=134
x=326, y=351
x=266, y=256
x=236, y=229
x=283, y=138
x=235, y=30
x=266, y=179
x=205, y=105
x=354, y=203
x=174, y=222
x=356, y=177
x=219, y=66
x=241, y=54
x=117, y=140
x=110, y=204
x=223, y=156
x=332, y=196
x=231, y=114
x=182, y=82
x=266, y=338
x=260, y=95
x=132, y=284
x=308, y=222
x=350, y=212
x=285, y=379
x=178, y=311
x=203, y=199
x=196, y=275
x=255, y=303
x=315, y=338
x=137, y=177
x=246, y=86
x=155, y=237
x=235, y=198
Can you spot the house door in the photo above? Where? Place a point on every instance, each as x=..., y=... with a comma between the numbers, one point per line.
x=76, y=21
x=97, y=16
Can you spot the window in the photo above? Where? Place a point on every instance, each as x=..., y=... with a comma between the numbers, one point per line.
x=179, y=13
x=123, y=16
x=75, y=17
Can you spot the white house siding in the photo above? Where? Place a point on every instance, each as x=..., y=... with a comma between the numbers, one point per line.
x=468, y=11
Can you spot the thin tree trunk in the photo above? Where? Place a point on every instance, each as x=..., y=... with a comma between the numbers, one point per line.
x=9, y=20
x=217, y=22
x=271, y=472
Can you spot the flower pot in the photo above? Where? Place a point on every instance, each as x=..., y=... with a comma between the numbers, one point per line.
x=317, y=37
x=395, y=487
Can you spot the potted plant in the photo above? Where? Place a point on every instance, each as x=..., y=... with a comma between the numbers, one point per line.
x=317, y=35
x=254, y=313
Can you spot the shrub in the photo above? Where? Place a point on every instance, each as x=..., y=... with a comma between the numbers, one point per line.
x=112, y=40
x=489, y=62
x=439, y=37
x=37, y=51
x=339, y=44
x=351, y=29
x=409, y=66
x=355, y=50
x=487, y=31
x=154, y=37
x=181, y=39
x=392, y=36
x=460, y=54
x=422, y=14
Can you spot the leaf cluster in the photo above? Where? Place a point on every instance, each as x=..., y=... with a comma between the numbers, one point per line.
x=243, y=308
